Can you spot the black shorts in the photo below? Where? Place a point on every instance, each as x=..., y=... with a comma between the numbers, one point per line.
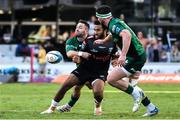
x=85, y=75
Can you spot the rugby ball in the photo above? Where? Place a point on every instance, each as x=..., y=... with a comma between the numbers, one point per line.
x=54, y=57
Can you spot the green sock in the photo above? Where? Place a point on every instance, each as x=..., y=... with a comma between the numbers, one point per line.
x=72, y=101
x=129, y=90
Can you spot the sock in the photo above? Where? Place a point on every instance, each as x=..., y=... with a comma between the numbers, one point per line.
x=72, y=101
x=135, y=93
x=53, y=105
x=146, y=101
x=129, y=90
x=97, y=104
x=151, y=107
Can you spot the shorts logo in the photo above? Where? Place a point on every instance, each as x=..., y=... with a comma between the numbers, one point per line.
x=76, y=72
x=110, y=49
x=133, y=70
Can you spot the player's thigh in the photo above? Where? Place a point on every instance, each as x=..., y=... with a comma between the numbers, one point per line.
x=71, y=81
x=116, y=73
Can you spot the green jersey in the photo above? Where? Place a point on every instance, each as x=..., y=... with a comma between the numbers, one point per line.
x=115, y=27
x=73, y=44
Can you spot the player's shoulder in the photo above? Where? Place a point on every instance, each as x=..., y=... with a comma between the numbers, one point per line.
x=70, y=40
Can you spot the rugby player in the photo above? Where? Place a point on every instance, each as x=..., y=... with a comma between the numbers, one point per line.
x=93, y=68
x=130, y=61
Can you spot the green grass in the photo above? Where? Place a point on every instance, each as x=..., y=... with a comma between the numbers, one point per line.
x=26, y=101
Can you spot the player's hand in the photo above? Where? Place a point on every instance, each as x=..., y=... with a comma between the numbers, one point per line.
x=114, y=62
x=85, y=55
x=117, y=54
x=76, y=59
x=121, y=60
x=99, y=41
x=135, y=75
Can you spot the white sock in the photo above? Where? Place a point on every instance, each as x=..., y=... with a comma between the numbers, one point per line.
x=151, y=107
x=53, y=103
x=135, y=93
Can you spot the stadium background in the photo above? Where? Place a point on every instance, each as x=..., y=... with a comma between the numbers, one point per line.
x=26, y=24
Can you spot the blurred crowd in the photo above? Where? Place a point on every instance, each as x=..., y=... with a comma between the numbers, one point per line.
x=45, y=38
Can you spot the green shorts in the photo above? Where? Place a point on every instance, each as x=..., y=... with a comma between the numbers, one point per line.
x=135, y=64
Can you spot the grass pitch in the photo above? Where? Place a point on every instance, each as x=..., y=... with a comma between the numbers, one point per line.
x=26, y=101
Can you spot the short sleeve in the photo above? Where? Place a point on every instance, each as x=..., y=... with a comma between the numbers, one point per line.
x=116, y=29
x=69, y=46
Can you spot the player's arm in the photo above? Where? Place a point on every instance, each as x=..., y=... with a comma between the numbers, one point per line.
x=71, y=52
x=126, y=40
x=100, y=41
x=82, y=54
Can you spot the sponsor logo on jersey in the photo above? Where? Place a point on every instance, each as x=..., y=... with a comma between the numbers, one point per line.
x=101, y=47
x=110, y=49
x=93, y=50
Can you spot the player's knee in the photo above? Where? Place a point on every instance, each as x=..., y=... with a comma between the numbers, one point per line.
x=110, y=79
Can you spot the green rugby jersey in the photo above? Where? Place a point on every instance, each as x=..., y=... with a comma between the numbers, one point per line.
x=115, y=27
x=73, y=44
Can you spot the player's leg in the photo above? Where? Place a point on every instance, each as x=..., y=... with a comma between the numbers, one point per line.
x=69, y=83
x=115, y=79
x=74, y=98
x=98, y=89
x=151, y=108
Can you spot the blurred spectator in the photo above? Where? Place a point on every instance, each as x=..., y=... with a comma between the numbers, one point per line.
x=7, y=36
x=42, y=60
x=144, y=41
x=153, y=51
x=163, y=51
x=91, y=24
x=22, y=49
x=43, y=34
x=175, y=55
x=122, y=17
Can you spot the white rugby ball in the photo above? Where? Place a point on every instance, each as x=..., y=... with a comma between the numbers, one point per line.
x=53, y=57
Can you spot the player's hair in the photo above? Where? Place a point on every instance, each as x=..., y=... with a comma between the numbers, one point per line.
x=103, y=11
x=84, y=22
x=98, y=23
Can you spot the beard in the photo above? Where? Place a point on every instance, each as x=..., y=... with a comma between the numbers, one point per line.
x=99, y=36
x=79, y=34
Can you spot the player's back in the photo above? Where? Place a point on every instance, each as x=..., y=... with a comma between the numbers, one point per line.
x=116, y=26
